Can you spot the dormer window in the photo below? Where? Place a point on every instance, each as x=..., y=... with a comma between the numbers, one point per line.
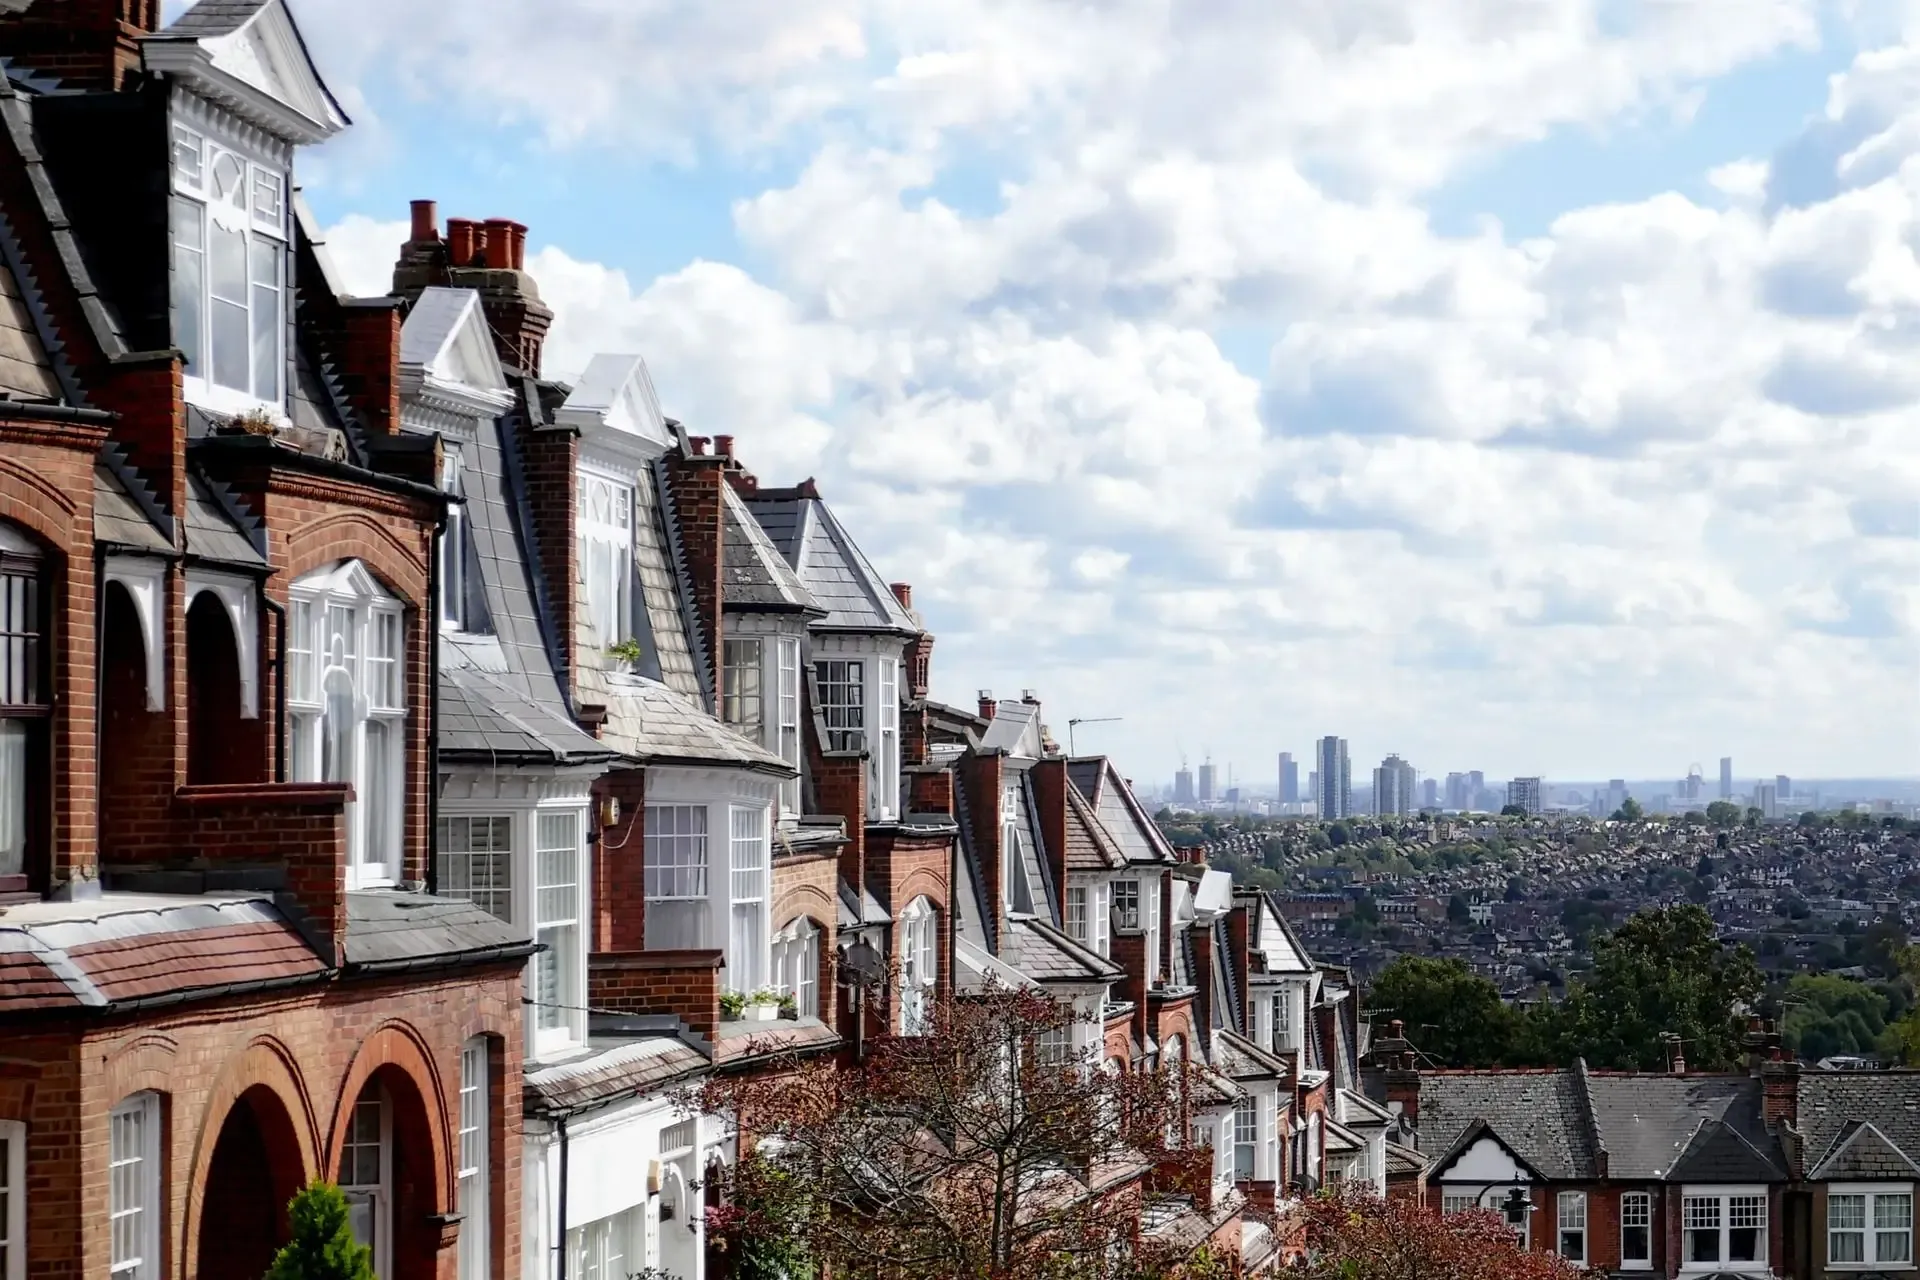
x=605, y=531
x=229, y=222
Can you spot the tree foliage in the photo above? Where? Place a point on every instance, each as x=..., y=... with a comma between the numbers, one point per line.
x=1828, y=1015
x=1359, y=1237
x=982, y=1151
x=322, y=1245
x=1452, y=1016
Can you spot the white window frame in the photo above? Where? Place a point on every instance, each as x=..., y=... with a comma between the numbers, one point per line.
x=841, y=681
x=749, y=872
x=1246, y=1138
x=796, y=965
x=475, y=1170
x=258, y=212
x=603, y=528
x=135, y=1206
x=1641, y=1203
x=450, y=582
x=560, y=919
x=679, y=869
x=885, y=759
x=743, y=701
x=1126, y=917
x=609, y=1248
x=357, y=659
x=1282, y=1014
x=1724, y=1200
x=376, y=1195
x=787, y=719
x=13, y=1200
x=1569, y=1206
x=1870, y=1232
x=1079, y=913
x=919, y=967
x=1452, y=1202
x=1013, y=860
x=474, y=857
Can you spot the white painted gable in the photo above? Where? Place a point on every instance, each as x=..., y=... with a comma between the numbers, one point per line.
x=1485, y=1161
x=1282, y=955
x=254, y=63
x=616, y=394
x=447, y=353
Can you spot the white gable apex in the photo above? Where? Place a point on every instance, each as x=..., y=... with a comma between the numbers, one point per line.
x=447, y=356
x=614, y=405
x=248, y=56
x=1485, y=1162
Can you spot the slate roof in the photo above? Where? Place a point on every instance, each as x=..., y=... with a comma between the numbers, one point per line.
x=119, y=947
x=25, y=371
x=974, y=966
x=1242, y=1059
x=1043, y=952
x=213, y=534
x=1089, y=847
x=1535, y=1113
x=833, y=568
x=390, y=928
x=1831, y=1100
x=1861, y=1153
x=117, y=518
x=1646, y=1121
x=757, y=576
x=634, y=1066
x=216, y=18
x=481, y=715
x=1009, y=729
x=1130, y=826
x=1718, y=1152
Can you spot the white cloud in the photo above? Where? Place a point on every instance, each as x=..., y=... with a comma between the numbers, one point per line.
x=1620, y=496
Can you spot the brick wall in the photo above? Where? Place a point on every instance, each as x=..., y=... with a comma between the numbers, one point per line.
x=983, y=782
x=551, y=455
x=301, y=826
x=619, y=863
x=695, y=481
x=368, y=356
x=840, y=789
x=1049, y=779
x=306, y=1054
x=803, y=885
x=685, y=984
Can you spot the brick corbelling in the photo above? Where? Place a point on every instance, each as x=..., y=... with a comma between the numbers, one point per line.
x=696, y=482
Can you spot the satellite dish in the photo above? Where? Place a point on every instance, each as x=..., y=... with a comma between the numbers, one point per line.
x=861, y=964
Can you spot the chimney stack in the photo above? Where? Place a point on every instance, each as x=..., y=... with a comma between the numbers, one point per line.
x=723, y=446
x=459, y=242
x=903, y=592
x=987, y=704
x=488, y=257
x=426, y=221
x=499, y=244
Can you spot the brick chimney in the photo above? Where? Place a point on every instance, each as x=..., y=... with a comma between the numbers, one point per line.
x=1780, y=1092
x=1202, y=977
x=987, y=704
x=984, y=773
x=1239, y=938
x=1049, y=778
x=87, y=44
x=1400, y=1077
x=696, y=480
x=489, y=257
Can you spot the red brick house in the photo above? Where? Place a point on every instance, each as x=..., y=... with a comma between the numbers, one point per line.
x=218, y=975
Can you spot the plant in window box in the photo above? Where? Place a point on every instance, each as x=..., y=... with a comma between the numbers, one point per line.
x=763, y=1005
x=733, y=1006
x=789, y=1007
x=254, y=422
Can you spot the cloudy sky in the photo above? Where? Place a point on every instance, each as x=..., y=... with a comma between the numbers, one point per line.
x=1525, y=385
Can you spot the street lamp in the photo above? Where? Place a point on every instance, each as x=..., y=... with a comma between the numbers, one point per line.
x=1518, y=1207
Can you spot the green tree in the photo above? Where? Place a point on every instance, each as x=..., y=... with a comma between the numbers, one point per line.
x=1339, y=834
x=1723, y=813
x=1828, y=1015
x=1663, y=973
x=1513, y=811
x=1458, y=912
x=322, y=1247
x=1452, y=1015
x=1366, y=911
x=1516, y=892
x=1629, y=811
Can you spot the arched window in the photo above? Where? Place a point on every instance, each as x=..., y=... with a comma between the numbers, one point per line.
x=919, y=967
x=346, y=707
x=24, y=704
x=796, y=966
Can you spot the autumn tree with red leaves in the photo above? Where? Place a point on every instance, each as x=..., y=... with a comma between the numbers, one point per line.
x=985, y=1150
x=1360, y=1237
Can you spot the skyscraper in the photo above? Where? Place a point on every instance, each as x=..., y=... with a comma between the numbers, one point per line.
x=1457, y=797
x=1782, y=787
x=1525, y=792
x=1183, y=786
x=1289, y=779
x=1206, y=783
x=1429, y=793
x=1766, y=798
x=1616, y=795
x=1726, y=777
x=1393, y=788
x=1334, y=795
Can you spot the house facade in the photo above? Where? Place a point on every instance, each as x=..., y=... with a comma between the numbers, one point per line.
x=222, y=976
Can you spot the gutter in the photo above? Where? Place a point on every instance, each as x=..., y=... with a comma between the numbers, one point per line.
x=279, y=684
x=441, y=960
x=24, y=411
x=240, y=446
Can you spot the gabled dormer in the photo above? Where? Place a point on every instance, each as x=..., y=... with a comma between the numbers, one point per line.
x=241, y=93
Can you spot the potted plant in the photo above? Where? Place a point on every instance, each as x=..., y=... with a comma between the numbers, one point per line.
x=789, y=1007
x=763, y=1005
x=733, y=1006
x=625, y=654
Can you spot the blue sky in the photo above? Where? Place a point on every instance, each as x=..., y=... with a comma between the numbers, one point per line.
x=1516, y=386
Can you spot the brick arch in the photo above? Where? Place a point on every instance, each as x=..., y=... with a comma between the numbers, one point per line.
x=28, y=498
x=146, y=1062
x=396, y=1052
x=351, y=535
x=808, y=900
x=264, y=1064
x=922, y=882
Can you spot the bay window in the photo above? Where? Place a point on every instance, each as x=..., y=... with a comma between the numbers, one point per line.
x=1126, y=904
x=346, y=707
x=796, y=966
x=1870, y=1225
x=747, y=899
x=475, y=857
x=1246, y=1133
x=885, y=760
x=676, y=877
x=611, y=1248
x=919, y=961
x=1077, y=927
x=604, y=530
x=1636, y=1230
x=134, y=1209
x=787, y=717
x=1723, y=1226
x=843, y=702
x=24, y=704
x=559, y=984
x=1572, y=1209
x=740, y=697
x=1283, y=1039
x=1013, y=862
x=475, y=1185
x=229, y=296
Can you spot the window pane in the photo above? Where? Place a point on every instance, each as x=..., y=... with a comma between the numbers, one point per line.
x=383, y=792
x=474, y=862
x=842, y=685
x=227, y=284
x=190, y=282
x=268, y=323
x=740, y=687
x=13, y=802
x=475, y=1186
x=301, y=686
